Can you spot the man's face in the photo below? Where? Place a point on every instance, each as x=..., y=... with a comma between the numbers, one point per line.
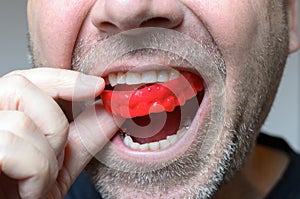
x=242, y=48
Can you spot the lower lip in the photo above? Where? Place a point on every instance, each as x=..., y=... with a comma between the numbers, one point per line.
x=170, y=153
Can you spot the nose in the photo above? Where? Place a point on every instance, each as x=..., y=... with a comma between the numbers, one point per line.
x=112, y=16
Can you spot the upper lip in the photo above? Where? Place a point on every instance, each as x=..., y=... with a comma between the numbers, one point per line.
x=135, y=64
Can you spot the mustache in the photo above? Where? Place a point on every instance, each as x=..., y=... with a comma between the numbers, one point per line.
x=172, y=45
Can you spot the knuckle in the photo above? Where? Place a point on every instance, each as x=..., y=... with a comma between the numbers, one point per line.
x=17, y=79
x=12, y=89
x=60, y=76
x=7, y=139
x=22, y=120
x=60, y=132
x=13, y=85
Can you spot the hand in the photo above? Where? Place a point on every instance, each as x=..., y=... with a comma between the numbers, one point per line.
x=41, y=154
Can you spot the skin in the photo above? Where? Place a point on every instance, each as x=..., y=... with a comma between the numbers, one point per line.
x=51, y=142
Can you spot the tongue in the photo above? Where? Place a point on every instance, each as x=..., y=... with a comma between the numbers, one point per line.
x=155, y=98
x=148, y=129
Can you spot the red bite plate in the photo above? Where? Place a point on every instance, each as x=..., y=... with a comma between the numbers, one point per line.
x=155, y=98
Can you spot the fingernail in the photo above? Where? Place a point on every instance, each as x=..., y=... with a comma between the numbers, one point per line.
x=88, y=87
x=91, y=81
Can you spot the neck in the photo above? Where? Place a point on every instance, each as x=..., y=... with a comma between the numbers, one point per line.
x=256, y=179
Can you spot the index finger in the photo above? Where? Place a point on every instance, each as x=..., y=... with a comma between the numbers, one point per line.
x=63, y=84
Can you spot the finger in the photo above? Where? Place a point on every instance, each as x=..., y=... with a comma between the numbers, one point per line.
x=17, y=93
x=22, y=161
x=19, y=124
x=88, y=134
x=64, y=84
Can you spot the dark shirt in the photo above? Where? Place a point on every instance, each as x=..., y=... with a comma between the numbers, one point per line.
x=288, y=186
x=82, y=188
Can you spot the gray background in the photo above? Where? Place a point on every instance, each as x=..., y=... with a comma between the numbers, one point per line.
x=283, y=119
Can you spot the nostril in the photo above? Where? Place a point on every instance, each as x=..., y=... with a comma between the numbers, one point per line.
x=162, y=22
x=114, y=16
x=157, y=22
x=107, y=26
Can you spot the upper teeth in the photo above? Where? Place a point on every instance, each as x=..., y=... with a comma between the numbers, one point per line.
x=132, y=78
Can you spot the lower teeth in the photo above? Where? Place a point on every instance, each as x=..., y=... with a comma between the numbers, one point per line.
x=152, y=146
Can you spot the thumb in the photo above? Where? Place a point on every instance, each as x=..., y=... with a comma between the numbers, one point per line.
x=88, y=134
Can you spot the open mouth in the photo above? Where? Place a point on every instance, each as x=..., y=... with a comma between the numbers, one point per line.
x=158, y=106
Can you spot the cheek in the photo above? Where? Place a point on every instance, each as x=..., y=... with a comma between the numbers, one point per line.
x=232, y=23
x=240, y=29
x=53, y=27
